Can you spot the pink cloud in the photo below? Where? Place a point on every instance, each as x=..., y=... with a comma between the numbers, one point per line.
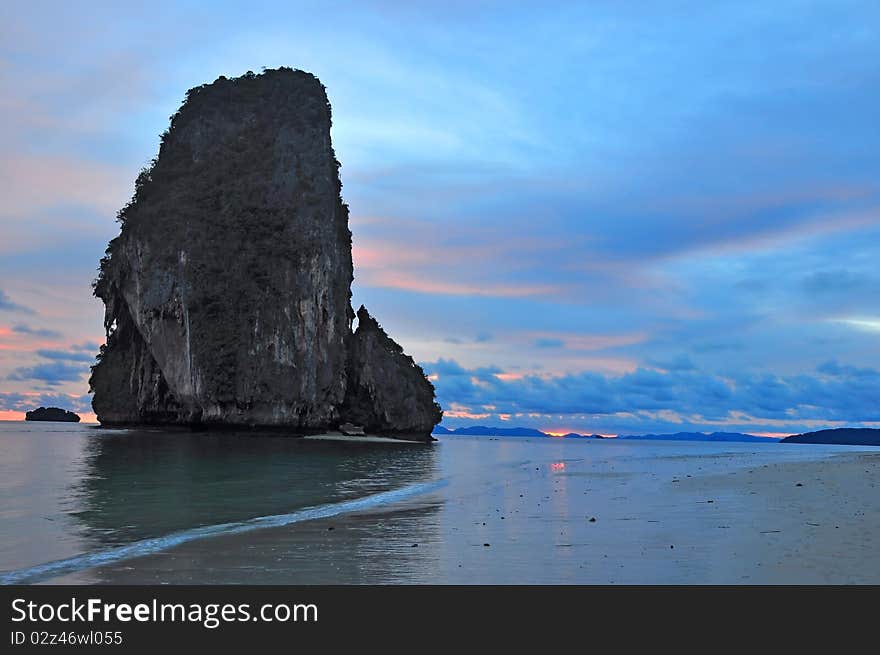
x=13, y=341
x=829, y=223
x=456, y=410
x=574, y=341
x=31, y=183
x=469, y=267
x=400, y=280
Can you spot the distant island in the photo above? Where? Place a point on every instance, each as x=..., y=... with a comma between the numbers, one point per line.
x=483, y=431
x=840, y=436
x=51, y=414
x=700, y=436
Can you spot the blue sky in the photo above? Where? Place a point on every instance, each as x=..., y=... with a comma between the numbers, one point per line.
x=606, y=217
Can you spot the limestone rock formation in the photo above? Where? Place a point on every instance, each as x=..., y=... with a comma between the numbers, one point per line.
x=228, y=290
x=374, y=359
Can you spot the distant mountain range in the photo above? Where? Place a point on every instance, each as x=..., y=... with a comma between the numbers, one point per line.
x=850, y=436
x=483, y=431
x=699, y=436
x=843, y=436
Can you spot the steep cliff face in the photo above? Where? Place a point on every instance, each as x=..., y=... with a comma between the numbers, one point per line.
x=227, y=292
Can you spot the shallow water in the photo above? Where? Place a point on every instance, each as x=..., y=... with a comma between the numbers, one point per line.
x=84, y=504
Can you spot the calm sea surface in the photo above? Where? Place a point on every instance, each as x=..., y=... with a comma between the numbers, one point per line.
x=85, y=504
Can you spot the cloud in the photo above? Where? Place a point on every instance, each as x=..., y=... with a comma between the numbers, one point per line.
x=651, y=398
x=6, y=304
x=862, y=323
x=31, y=184
x=460, y=259
x=72, y=355
x=449, y=367
x=88, y=346
x=53, y=374
x=835, y=369
x=23, y=402
x=718, y=346
x=21, y=328
x=821, y=283
x=420, y=284
x=679, y=363
x=64, y=365
x=585, y=342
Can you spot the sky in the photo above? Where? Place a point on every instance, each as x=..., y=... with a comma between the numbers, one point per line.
x=605, y=217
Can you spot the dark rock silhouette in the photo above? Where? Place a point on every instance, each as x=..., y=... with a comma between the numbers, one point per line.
x=843, y=436
x=51, y=414
x=385, y=386
x=483, y=431
x=227, y=292
x=700, y=436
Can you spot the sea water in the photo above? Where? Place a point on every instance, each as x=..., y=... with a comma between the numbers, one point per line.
x=86, y=504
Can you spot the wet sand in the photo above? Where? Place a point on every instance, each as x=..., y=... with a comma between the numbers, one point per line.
x=775, y=514
x=803, y=523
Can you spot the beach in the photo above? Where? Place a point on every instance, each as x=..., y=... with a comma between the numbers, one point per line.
x=811, y=522
x=753, y=525
x=467, y=510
